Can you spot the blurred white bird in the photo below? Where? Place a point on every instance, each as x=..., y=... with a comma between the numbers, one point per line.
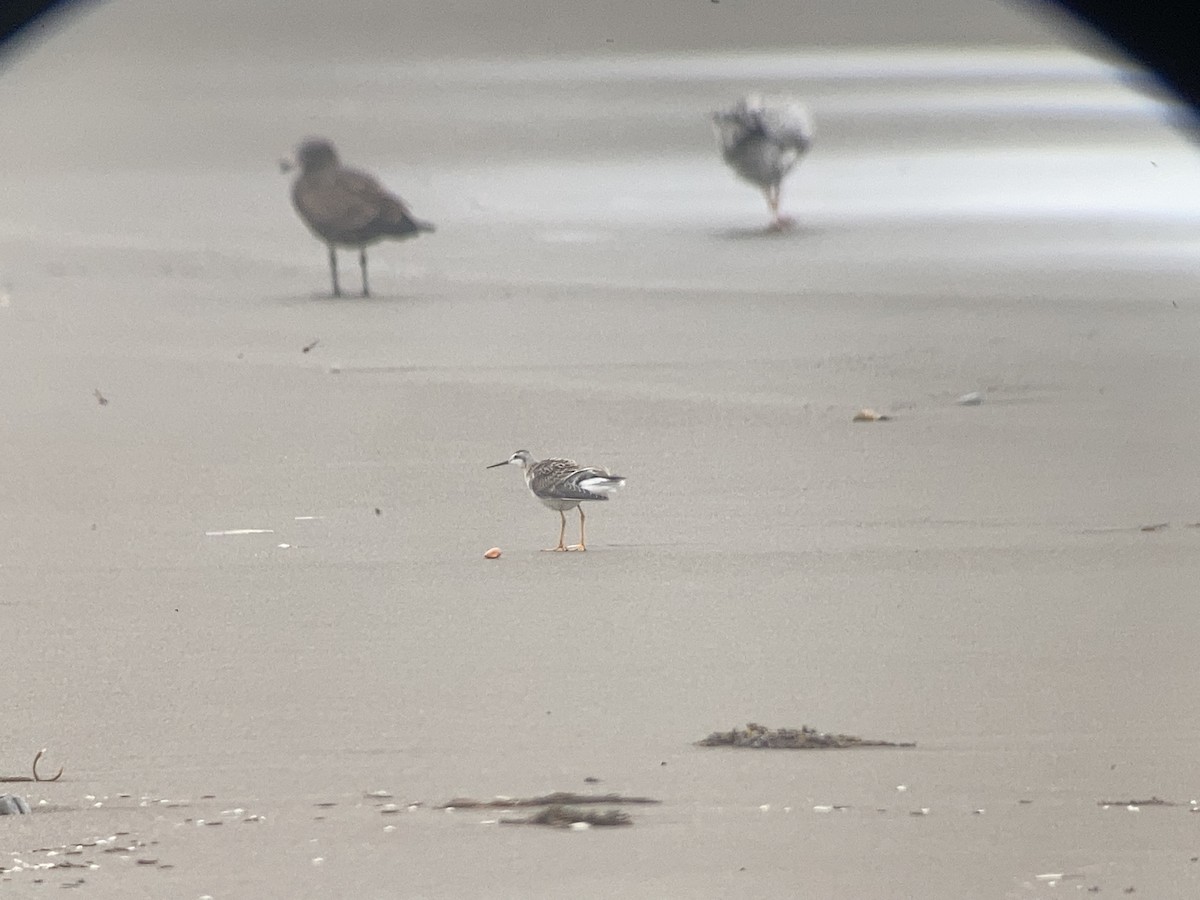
x=762, y=141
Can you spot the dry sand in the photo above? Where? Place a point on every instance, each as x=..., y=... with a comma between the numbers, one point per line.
x=1005, y=217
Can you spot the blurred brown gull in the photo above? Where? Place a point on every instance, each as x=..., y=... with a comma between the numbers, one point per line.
x=347, y=208
x=762, y=140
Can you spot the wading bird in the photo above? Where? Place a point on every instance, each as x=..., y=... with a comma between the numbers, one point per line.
x=563, y=484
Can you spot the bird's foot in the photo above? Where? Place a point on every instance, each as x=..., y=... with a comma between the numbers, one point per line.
x=559, y=549
x=579, y=547
x=781, y=224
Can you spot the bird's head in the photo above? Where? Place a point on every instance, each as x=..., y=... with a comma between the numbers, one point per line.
x=521, y=458
x=316, y=153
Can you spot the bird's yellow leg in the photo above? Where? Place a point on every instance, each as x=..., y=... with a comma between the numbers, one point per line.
x=562, y=533
x=582, y=545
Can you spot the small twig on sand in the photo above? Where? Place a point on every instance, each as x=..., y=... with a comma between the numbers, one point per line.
x=558, y=798
x=10, y=779
x=558, y=816
x=1153, y=801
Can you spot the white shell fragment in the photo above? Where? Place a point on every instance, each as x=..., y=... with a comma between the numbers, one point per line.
x=972, y=399
x=869, y=415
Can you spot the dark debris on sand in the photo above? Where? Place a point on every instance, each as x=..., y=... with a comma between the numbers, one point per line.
x=559, y=816
x=759, y=737
x=558, y=798
x=1153, y=801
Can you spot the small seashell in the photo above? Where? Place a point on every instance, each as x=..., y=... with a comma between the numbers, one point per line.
x=975, y=398
x=869, y=415
x=580, y=826
x=494, y=553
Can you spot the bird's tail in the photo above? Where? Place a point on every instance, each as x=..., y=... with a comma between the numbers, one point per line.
x=602, y=484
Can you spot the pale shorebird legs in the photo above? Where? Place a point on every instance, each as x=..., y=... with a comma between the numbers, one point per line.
x=563, y=484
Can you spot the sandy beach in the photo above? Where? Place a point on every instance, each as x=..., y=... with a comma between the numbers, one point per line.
x=243, y=601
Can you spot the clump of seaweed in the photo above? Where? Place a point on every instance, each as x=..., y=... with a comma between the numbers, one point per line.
x=558, y=798
x=560, y=816
x=759, y=737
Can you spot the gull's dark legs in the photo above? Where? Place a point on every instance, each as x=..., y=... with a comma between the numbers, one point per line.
x=337, y=291
x=562, y=533
x=362, y=264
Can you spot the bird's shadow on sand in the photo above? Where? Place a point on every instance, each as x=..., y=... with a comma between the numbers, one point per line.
x=349, y=300
x=767, y=233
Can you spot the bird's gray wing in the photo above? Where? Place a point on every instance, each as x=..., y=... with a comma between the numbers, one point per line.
x=545, y=474
x=346, y=202
x=563, y=479
x=786, y=124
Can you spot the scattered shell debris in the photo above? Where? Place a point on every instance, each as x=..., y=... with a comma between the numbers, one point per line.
x=14, y=805
x=975, y=398
x=759, y=737
x=869, y=415
x=233, y=532
x=561, y=809
x=558, y=816
x=493, y=553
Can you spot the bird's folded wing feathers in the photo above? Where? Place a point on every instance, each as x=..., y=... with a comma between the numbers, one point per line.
x=350, y=199
x=788, y=125
x=566, y=479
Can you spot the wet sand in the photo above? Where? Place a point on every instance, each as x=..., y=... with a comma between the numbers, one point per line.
x=1001, y=216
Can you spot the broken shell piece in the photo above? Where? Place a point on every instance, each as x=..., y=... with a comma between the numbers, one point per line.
x=869, y=415
x=972, y=399
x=13, y=805
x=494, y=553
